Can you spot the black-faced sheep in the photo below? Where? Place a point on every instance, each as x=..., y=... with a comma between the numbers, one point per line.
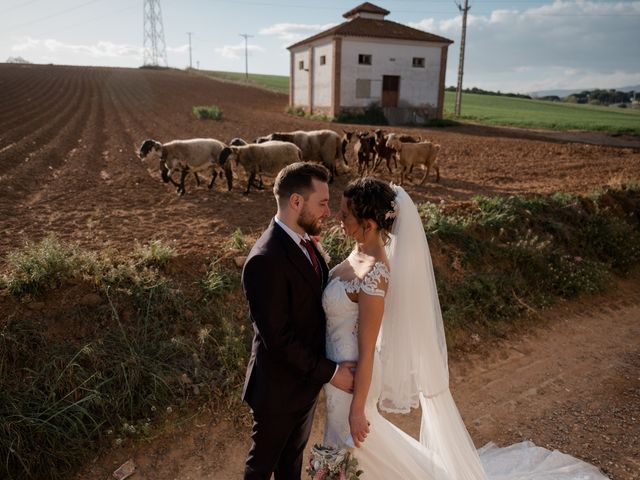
x=197, y=155
x=364, y=150
x=424, y=154
x=344, y=143
x=316, y=145
x=258, y=158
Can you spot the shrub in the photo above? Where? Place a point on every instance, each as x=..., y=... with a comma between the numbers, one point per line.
x=237, y=242
x=372, y=115
x=153, y=254
x=44, y=265
x=297, y=111
x=212, y=112
x=336, y=245
x=217, y=279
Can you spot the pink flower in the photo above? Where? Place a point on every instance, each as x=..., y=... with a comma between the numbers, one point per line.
x=577, y=259
x=343, y=476
x=321, y=473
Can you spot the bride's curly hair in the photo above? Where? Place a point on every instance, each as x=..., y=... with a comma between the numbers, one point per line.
x=371, y=199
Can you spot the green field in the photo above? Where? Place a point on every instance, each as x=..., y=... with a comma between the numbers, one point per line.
x=542, y=114
x=497, y=110
x=278, y=83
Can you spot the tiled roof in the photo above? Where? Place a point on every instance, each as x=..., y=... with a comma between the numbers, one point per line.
x=369, y=27
x=366, y=7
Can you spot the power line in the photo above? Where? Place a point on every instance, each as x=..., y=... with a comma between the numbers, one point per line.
x=52, y=15
x=15, y=7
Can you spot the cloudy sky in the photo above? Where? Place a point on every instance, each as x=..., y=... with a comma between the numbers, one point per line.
x=512, y=45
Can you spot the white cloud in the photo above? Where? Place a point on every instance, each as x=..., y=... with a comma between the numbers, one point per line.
x=237, y=51
x=292, y=32
x=181, y=49
x=101, y=49
x=563, y=44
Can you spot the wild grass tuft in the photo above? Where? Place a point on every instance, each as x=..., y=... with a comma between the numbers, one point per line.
x=336, y=244
x=237, y=242
x=153, y=254
x=44, y=265
x=217, y=279
x=297, y=111
x=212, y=112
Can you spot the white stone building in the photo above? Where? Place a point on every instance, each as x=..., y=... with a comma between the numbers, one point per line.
x=368, y=59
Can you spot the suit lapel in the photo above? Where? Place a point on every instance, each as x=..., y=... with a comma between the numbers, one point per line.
x=299, y=260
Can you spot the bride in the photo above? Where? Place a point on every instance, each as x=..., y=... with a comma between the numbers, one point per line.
x=382, y=311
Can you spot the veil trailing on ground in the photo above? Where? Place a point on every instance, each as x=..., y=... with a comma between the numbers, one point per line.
x=413, y=348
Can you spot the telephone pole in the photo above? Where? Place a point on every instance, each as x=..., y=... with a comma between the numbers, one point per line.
x=246, y=55
x=461, y=62
x=190, y=65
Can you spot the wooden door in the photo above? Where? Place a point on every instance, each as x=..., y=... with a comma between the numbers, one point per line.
x=390, y=90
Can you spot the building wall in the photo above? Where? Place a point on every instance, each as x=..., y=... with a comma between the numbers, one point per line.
x=419, y=87
x=322, y=74
x=301, y=77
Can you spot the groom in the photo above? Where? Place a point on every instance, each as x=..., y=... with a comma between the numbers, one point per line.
x=283, y=280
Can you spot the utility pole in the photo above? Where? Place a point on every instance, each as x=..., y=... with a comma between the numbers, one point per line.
x=190, y=65
x=461, y=62
x=246, y=55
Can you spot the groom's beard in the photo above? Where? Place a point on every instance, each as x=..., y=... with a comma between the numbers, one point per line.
x=308, y=223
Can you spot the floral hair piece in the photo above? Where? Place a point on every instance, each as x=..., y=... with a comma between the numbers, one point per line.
x=393, y=212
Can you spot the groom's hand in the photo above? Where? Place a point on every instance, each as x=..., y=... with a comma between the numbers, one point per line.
x=343, y=379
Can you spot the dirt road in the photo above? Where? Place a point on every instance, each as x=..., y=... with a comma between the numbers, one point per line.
x=572, y=383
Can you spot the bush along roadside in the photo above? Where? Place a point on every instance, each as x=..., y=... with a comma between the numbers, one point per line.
x=74, y=377
x=513, y=255
x=81, y=374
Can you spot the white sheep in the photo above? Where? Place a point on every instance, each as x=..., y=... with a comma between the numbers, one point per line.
x=196, y=155
x=316, y=145
x=258, y=158
x=424, y=154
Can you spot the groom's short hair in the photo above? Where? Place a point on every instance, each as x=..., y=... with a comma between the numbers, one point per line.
x=297, y=178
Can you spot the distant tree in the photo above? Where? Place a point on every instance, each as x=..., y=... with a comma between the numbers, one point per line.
x=17, y=60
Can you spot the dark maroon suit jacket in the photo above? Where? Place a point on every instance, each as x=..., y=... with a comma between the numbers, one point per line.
x=288, y=366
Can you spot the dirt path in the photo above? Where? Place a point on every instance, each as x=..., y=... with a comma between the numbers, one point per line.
x=572, y=383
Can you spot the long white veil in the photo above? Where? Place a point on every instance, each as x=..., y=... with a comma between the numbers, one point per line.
x=413, y=348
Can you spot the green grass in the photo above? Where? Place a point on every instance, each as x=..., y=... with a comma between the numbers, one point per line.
x=212, y=112
x=278, y=83
x=497, y=110
x=542, y=114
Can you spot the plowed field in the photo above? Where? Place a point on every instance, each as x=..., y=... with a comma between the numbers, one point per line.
x=69, y=137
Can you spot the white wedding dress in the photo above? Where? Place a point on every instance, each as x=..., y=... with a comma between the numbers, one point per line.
x=445, y=450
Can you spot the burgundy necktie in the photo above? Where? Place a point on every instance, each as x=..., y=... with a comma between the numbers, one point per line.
x=314, y=258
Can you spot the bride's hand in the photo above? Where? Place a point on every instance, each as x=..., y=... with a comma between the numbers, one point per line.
x=359, y=427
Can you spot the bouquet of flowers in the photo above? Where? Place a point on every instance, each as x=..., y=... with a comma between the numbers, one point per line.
x=331, y=463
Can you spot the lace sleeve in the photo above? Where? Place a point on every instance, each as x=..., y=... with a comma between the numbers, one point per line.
x=376, y=280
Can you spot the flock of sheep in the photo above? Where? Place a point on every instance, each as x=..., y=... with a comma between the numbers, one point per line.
x=269, y=154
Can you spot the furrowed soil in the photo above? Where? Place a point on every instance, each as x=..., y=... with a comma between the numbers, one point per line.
x=69, y=138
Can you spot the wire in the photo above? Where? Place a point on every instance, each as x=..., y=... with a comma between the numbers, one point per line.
x=52, y=15
x=15, y=7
